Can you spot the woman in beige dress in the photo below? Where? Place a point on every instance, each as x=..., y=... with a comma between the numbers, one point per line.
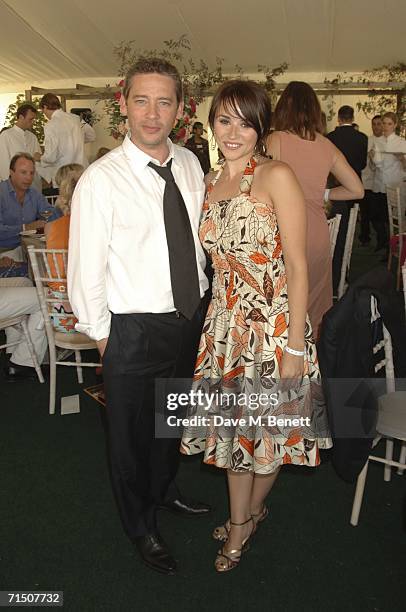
x=298, y=141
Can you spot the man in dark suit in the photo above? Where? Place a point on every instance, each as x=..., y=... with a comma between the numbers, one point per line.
x=354, y=146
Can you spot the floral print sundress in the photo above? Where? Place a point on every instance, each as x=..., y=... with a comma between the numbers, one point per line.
x=242, y=343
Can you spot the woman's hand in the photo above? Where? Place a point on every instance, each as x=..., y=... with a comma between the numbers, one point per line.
x=292, y=366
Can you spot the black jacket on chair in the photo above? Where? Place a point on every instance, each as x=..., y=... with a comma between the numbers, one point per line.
x=346, y=359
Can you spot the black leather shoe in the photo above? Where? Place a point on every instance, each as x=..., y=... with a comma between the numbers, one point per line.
x=14, y=373
x=155, y=554
x=185, y=506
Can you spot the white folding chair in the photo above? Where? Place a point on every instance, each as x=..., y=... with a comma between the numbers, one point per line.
x=391, y=422
x=51, y=199
x=396, y=227
x=333, y=227
x=21, y=321
x=49, y=267
x=349, y=240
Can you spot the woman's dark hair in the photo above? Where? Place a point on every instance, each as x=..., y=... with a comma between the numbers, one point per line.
x=249, y=101
x=298, y=110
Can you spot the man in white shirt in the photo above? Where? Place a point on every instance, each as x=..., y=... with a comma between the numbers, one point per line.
x=19, y=139
x=124, y=289
x=64, y=142
x=388, y=158
x=368, y=181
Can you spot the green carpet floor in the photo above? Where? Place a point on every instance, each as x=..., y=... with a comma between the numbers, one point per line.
x=59, y=529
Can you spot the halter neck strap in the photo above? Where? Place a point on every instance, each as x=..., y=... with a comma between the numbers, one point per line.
x=246, y=179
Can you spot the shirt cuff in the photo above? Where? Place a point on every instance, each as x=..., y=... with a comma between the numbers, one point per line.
x=98, y=331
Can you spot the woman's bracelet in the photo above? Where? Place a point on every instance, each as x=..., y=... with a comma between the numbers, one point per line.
x=292, y=351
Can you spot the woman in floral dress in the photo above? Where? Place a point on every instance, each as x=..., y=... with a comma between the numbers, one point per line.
x=256, y=330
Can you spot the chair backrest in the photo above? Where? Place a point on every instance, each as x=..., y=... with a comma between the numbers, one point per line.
x=333, y=227
x=349, y=240
x=396, y=221
x=49, y=269
x=382, y=341
x=51, y=199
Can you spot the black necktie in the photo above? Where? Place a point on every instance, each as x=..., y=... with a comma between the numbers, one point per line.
x=181, y=246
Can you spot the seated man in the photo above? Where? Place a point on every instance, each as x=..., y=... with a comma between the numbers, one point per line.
x=16, y=301
x=21, y=206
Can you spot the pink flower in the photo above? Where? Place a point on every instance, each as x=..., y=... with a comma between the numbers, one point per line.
x=121, y=83
x=117, y=95
x=192, y=105
x=181, y=133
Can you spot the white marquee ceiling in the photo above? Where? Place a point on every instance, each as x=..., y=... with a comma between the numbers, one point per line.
x=59, y=39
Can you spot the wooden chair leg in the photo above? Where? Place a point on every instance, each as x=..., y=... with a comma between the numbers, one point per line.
x=402, y=458
x=358, y=496
x=31, y=351
x=79, y=369
x=52, y=386
x=389, y=456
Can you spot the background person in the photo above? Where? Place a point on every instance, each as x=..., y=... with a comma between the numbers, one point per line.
x=366, y=204
x=63, y=143
x=19, y=139
x=21, y=206
x=388, y=159
x=16, y=301
x=299, y=142
x=353, y=144
x=199, y=146
x=57, y=237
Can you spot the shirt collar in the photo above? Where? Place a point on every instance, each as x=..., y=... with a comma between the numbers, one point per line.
x=18, y=129
x=56, y=113
x=140, y=160
x=11, y=188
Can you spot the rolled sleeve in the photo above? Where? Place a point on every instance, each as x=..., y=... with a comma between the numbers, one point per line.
x=90, y=232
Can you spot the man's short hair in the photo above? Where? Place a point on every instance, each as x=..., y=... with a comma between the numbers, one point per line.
x=18, y=156
x=51, y=101
x=198, y=124
x=346, y=113
x=24, y=108
x=154, y=65
x=376, y=117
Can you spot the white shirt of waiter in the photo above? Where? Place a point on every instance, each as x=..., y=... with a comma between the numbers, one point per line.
x=118, y=253
x=368, y=172
x=63, y=144
x=388, y=168
x=16, y=140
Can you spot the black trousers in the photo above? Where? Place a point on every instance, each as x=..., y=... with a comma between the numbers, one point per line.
x=380, y=219
x=365, y=212
x=141, y=348
x=343, y=209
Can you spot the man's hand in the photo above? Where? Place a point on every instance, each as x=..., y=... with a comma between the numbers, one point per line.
x=34, y=225
x=37, y=157
x=6, y=261
x=101, y=345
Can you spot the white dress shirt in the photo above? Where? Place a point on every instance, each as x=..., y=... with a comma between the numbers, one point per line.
x=89, y=135
x=388, y=169
x=15, y=140
x=63, y=144
x=118, y=253
x=368, y=172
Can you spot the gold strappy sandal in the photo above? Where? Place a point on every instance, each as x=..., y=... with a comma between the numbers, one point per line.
x=227, y=560
x=221, y=532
